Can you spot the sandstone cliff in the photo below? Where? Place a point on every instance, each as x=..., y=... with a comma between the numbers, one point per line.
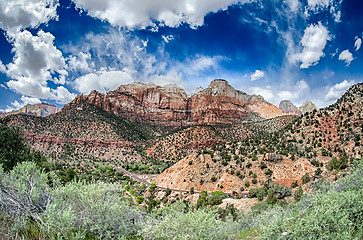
x=288, y=107
x=307, y=106
x=170, y=105
x=40, y=110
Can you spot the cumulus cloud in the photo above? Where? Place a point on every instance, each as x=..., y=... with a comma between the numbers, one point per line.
x=37, y=61
x=257, y=75
x=346, y=56
x=357, y=43
x=80, y=63
x=313, y=42
x=20, y=14
x=142, y=13
x=300, y=89
x=266, y=93
x=102, y=81
x=36, y=58
x=338, y=90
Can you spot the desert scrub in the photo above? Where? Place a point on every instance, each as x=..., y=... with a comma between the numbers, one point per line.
x=334, y=212
x=201, y=224
x=98, y=210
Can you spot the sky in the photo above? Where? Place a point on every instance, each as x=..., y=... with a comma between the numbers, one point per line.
x=54, y=50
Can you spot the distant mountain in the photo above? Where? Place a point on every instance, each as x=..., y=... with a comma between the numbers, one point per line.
x=323, y=143
x=170, y=105
x=307, y=106
x=288, y=107
x=40, y=110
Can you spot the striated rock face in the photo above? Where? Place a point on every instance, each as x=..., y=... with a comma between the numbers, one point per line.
x=40, y=110
x=170, y=105
x=307, y=106
x=288, y=107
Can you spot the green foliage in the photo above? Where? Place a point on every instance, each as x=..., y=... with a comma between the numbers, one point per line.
x=306, y=178
x=294, y=184
x=338, y=164
x=98, y=210
x=298, y=194
x=214, y=199
x=201, y=224
x=13, y=149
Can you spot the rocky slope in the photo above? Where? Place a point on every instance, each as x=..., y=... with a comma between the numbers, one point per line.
x=289, y=108
x=170, y=105
x=307, y=106
x=41, y=110
x=321, y=143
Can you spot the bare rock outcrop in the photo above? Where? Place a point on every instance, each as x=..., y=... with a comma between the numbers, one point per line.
x=170, y=105
x=307, y=106
x=289, y=108
x=41, y=110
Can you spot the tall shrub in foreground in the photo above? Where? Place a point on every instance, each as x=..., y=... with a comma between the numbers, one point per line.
x=97, y=210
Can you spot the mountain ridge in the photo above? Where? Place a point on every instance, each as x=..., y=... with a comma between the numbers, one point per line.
x=170, y=105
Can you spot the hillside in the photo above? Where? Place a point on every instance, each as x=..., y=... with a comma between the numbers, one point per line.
x=320, y=143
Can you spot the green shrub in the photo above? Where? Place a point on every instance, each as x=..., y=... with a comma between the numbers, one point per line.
x=99, y=210
x=201, y=224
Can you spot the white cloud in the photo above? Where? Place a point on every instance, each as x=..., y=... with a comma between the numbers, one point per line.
x=313, y=42
x=163, y=80
x=141, y=13
x=102, y=81
x=37, y=61
x=168, y=38
x=257, y=75
x=346, y=56
x=299, y=90
x=36, y=58
x=318, y=3
x=338, y=90
x=2, y=67
x=334, y=7
x=266, y=93
x=20, y=14
x=80, y=63
x=357, y=43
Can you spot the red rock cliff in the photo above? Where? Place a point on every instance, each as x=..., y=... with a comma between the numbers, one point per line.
x=170, y=105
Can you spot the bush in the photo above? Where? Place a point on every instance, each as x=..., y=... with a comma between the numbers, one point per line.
x=98, y=210
x=298, y=194
x=201, y=224
x=24, y=192
x=306, y=178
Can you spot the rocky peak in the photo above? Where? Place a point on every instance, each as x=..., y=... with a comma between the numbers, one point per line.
x=169, y=105
x=307, y=106
x=197, y=91
x=220, y=87
x=40, y=109
x=288, y=107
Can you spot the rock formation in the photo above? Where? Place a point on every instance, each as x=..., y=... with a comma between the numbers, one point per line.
x=289, y=108
x=41, y=110
x=307, y=106
x=170, y=105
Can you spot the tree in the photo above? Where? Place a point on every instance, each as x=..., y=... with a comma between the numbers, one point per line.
x=306, y=178
x=298, y=194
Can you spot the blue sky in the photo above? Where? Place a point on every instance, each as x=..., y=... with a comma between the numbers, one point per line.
x=53, y=50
